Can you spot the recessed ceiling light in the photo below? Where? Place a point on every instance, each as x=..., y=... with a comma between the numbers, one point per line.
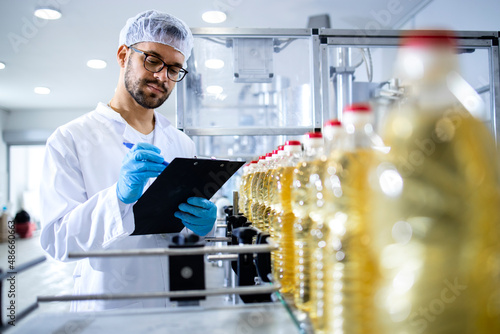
x=214, y=63
x=2, y=66
x=214, y=16
x=42, y=90
x=97, y=64
x=48, y=13
x=214, y=90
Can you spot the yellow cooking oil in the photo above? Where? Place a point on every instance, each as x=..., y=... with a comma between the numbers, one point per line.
x=262, y=191
x=258, y=202
x=247, y=190
x=244, y=188
x=437, y=224
x=343, y=268
x=302, y=228
x=283, y=230
x=241, y=187
x=255, y=203
x=320, y=209
x=275, y=207
x=313, y=149
x=265, y=193
x=350, y=268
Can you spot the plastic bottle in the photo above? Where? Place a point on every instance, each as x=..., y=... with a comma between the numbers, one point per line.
x=343, y=268
x=283, y=221
x=253, y=189
x=270, y=212
x=258, y=193
x=245, y=188
x=274, y=199
x=263, y=192
x=267, y=186
x=335, y=142
x=313, y=150
x=241, y=187
x=436, y=200
x=4, y=228
x=333, y=137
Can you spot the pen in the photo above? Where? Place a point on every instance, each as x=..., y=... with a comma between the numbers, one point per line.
x=129, y=146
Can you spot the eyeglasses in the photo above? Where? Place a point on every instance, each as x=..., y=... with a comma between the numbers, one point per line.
x=154, y=64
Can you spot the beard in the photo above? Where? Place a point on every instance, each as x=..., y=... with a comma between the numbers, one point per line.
x=136, y=88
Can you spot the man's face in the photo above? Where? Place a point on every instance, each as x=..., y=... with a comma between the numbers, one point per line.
x=149, y=89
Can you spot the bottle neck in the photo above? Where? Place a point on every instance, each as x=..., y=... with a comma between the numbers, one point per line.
x=359, y=128
x=358, y=135
x=424, y=72
x=313, y=148
x=292, y=156
x=260, y=165
x=361, y=134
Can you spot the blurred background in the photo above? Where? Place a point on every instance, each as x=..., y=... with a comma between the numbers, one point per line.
x=45, y=78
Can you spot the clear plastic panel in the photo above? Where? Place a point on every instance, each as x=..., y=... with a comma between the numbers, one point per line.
x=239, y=147
x=371, y=71
x=249, y=82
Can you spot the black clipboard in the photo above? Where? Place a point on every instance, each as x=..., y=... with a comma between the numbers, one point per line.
x=181, y=179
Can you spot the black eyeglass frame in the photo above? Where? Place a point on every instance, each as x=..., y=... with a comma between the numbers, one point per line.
x=182, y=71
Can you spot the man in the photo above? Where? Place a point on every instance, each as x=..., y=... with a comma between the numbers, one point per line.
x=91, y=180
x=23, y=224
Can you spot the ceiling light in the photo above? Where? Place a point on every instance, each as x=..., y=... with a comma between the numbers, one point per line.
x=2, y=66
x=42, y=90
x=214, y=63
x=215, y=90
x=97, y=64
x=48, y=13
x=214, y=16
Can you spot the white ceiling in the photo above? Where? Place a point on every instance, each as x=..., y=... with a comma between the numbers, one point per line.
x=54, y=53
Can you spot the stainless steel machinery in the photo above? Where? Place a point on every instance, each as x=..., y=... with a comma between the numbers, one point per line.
x=358, y=66
x=250, y=89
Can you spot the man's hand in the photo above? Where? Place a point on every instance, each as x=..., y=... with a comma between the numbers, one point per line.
x=142, y=162
x=198, y=215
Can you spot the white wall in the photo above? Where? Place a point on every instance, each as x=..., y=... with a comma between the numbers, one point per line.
x=25, y=176
x=51, y=119
x=40, y=119
x=3, y=161
x=478, y=15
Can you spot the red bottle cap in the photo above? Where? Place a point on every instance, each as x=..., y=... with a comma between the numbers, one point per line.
x=333, y=122
x=314, y=135
x=293, y=142
x=428, y=38
x=358, y=107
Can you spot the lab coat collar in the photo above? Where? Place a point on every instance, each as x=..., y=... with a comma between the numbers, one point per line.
x=109, y=113
x=161, y=124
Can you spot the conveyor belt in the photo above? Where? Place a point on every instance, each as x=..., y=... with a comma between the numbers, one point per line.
x=250, y=318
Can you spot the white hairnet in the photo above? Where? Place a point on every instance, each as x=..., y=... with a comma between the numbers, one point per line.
x=158, y=27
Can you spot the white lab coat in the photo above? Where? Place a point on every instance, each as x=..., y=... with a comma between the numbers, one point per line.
x=81, y=212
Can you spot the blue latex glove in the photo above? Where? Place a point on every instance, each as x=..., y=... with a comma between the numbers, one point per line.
x=142, y=162
x=198, y=215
